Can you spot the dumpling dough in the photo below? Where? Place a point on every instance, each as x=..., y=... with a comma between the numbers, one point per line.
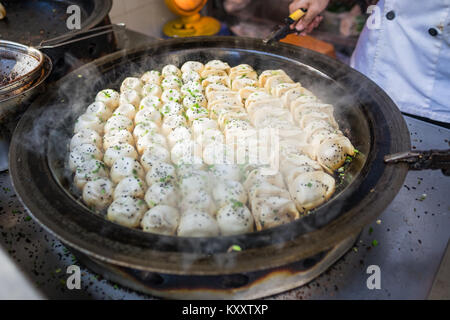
x=86, y=136
x=161, y=220
x=119, y=151
x=126, y=167
x=89, y=121
x=332, y=153
x=193, y=181
x=98, y=194
x=192, y=66
x=89, y=171
x=171, y=82
x=179, y=134
x=229, y=191
x=194, y=223
x=171, y=95
x=130, y=187
x=162, y=193
x=171, y=108
x=172, y=122
x=160, y=172
x=127, y=211
x=83, y=153
x=233, y=219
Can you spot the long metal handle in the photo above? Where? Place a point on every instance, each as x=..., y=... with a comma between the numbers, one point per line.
x=63, y=39
x=422, y=160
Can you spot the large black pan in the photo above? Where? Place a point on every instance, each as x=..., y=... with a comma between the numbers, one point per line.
x=374, y=123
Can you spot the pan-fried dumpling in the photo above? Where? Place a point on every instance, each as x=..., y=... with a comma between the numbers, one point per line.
x=171, y=95
x=99, y=109
x=192, y=66
x=154, y=154
x=131, y=96
x=98, y=194
x=179, y=134
x=216, y=80
x=89, y=171
x=229, y=191
x=273, y=211
x=89, y=121
x=263, y=77
x=257, y=96
x=210, y=136
x=215, y=87
x=234, y=219
x=317, y=116
x=127, y=110
x=257, y=177
x=192, y=88
x=311, y=189
x=294, y=94
x=245, y=92
x=148, y=114
x=201, y=125
x=151, y=89
x=199, y=200
x=194, y=113
x=151, y=102
x=194, y=223
x=160, y=172
x=171, y=108
x=197, y=100
x=83, y=153
x=301, y=101
x=162, y=193
x=126, y=167
x=131, y=83
x=119, y=151
x=193, y=181
x=170, y=70
x=161, y=220
x=152, y=77
x=213, y=72
x=190, y=76
x=119, y=123
x=264, y=114
x=149, y=140
x=117, y=137
x=127, y=211
x=171, y=82
x=217, y=65
x=130, y=187
x=184, y=150
x=172, y=122
x=109, y=97
x=332, y=152
x=241, y=83
x=142, y=128
x=273, y=82
x=224, y=95
x=269, y=103
x=218, y=153
x=282, y=88
x=226, y=172
x=86, y=136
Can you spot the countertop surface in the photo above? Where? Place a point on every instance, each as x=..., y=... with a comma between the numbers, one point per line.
x=407, y=243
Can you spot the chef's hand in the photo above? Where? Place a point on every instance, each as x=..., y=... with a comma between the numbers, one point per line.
x=312, y=19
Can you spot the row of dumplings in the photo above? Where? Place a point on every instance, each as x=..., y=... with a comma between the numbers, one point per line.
x=160, y=146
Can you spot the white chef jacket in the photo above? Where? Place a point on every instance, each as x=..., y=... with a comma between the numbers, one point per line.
x=405, y=59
